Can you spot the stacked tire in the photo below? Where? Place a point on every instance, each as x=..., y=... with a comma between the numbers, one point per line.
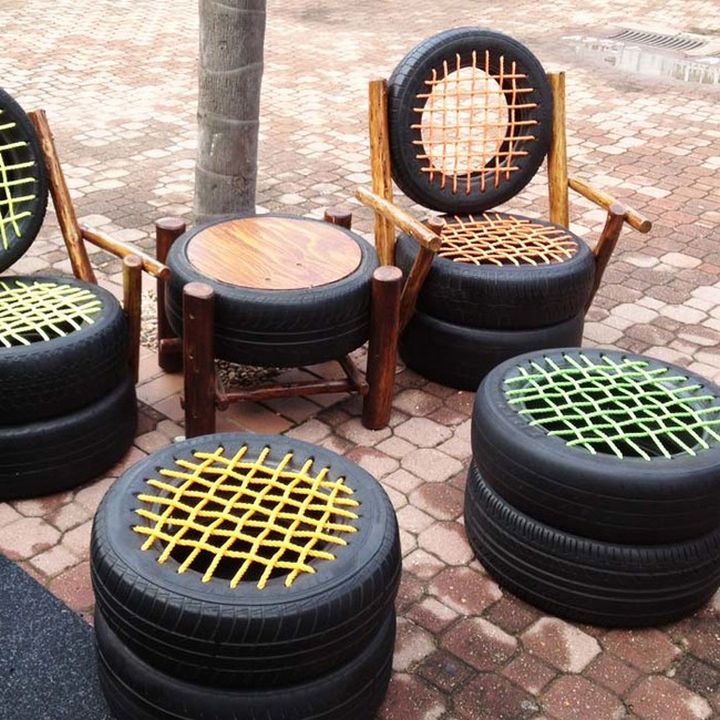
x=68, y=399
x=594, y=491
x=471, y=317
x=173, y=643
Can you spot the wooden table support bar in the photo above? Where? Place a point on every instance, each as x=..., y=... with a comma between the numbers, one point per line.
x=382, y=350
x=282, y=390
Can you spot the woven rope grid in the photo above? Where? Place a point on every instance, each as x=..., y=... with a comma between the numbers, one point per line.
x=623, y=407
x=14, y=182
x=40, y=311
x=467, y=116
x=505, y=240
x=246, y=514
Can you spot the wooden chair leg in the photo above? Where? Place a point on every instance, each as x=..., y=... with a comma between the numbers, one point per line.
x=606, y=245
x=167, y=230
x=416, y=277
x=382, y=350
x=132, y=303
x=199, y=359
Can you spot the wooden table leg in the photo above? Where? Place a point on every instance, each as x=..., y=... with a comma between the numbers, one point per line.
x=337, y=216
x=199, y=359
x=382, y=350
x=167, y=230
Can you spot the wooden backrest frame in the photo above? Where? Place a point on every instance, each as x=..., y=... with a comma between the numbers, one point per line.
x=75, y=236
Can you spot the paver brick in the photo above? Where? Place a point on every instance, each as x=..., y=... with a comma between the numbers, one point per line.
x=447, y=541
x=658, y=698
x=491, y=697
x=26, y=537
x=445, y=671
x=465, y=590
x=648, y=650
x=480, y=644
x=560, y=644
x=529, y=673
x=572, y=697
x=412, y=644
x=432, y=615
x=431, y=465
x=652, y=143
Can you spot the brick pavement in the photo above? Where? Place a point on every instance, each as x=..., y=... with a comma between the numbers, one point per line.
x=118, y=82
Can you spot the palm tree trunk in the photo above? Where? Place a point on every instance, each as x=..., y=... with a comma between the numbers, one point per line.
x=232, y=34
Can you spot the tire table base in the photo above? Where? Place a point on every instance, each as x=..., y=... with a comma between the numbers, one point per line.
x=278, y=291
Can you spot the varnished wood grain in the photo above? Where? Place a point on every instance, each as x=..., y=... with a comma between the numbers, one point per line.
x=274, y=253
x=198, y=359
x=167, y=231
x=557, y=155
x=132, y=304
x=64, y=209
x=382, y=350
x=380, y=167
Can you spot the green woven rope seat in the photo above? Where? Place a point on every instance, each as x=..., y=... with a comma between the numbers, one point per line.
x=617, y=404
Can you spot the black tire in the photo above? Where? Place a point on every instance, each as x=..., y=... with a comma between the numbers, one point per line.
x=460, y=357
x=280, y=328
x=506, y=297
x=626, y=500
x=53, y=455
x=24, y=131
x=135, y=690
x=50, y=378
x=585, y=580
x=213, y=634
x=409, y=80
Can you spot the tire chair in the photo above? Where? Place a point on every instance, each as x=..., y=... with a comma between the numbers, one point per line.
x=68, y=351
x=462, y=126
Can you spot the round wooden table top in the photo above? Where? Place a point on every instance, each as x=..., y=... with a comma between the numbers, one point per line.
x=267, y=252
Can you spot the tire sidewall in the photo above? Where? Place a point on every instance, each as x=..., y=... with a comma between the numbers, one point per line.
x=258, y=304
x=408, y=81
x=15, y=113
x=503, y=297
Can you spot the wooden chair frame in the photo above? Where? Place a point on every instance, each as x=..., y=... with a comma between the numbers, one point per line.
x=75, y=235
x=388, y=215
x=194, y=353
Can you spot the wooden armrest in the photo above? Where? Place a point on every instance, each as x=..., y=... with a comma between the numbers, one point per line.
x=426, y=237
x=632, y=217
x=122, y=250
